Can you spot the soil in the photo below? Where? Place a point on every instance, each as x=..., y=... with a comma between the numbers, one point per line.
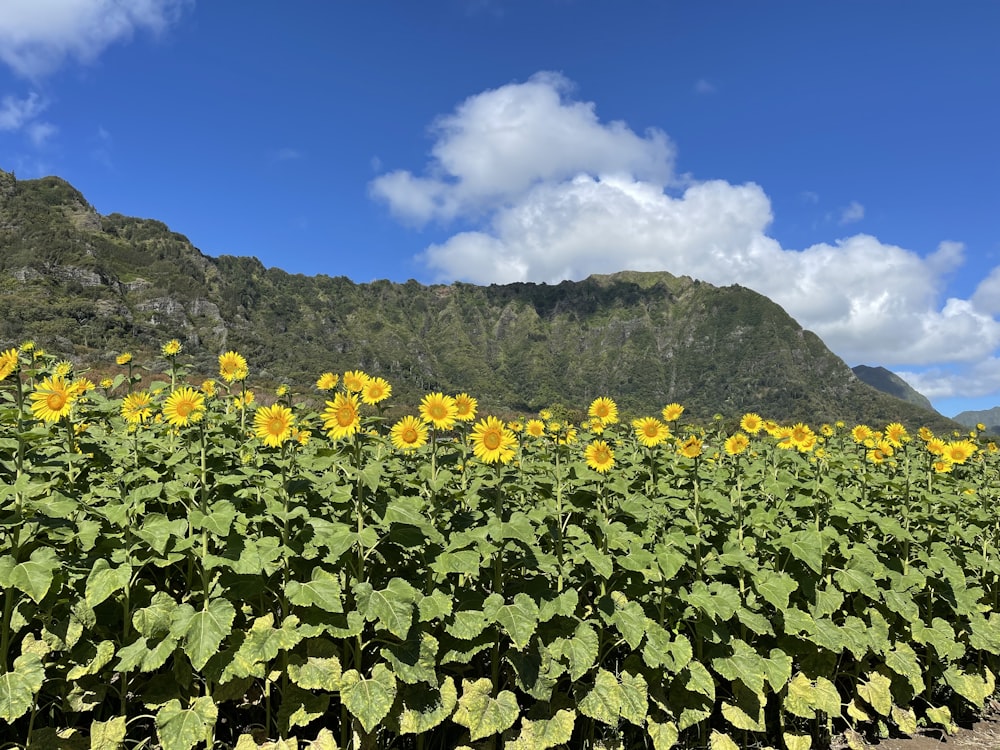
x=983, y=734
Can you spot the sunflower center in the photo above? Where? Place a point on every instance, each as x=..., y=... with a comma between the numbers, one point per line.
x=55, y=401
x=437, y=411
x=345, y=416
x=184, y=408
x=409, y=435
x=491, y=440
x=276, y=426
x=652, y=430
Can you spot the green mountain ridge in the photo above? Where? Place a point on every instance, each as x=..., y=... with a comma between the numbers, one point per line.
x=88, y=286
x=889, y=382
x=990, y=418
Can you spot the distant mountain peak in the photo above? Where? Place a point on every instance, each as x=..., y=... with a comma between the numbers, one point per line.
x=889, y=382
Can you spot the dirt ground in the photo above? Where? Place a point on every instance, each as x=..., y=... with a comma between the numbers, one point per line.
x=984, y=734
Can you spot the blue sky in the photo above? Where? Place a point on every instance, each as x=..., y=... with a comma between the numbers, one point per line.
x=840, y=157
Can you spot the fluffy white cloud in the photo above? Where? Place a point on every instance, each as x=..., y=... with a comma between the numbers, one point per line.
x=16, y=113
x=553, y=193
x=501, y=143
x=851, y=213
x=36, y=36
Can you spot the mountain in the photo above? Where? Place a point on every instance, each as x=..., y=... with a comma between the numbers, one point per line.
x=88, y=286
x=891, y=383
x=988, y=417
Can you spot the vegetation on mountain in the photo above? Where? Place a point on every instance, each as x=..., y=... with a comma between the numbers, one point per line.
x=989, y=418
x=889, y=382
x=88, y=286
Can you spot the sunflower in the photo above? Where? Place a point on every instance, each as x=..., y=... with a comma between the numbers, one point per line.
x=802, y=437
x=53, y=399
x=63, y=369
x=942, y=467
x=595, y=425
x=207, y=387
x=492, y=442
x=106, y=383
x=860, y=433
x=465, y=406
x=137, y=407
x=604, y=409
x=877, y=456
x=515, y=426
x=650, y=431
x=599, y=456
x=959, y=451
x=327, y=381
x=232, y=366
x=545, y=415
x=375, y=390
x=690, y=448
x=83, y=385
x=28, y=346
x=281, y=391
x=737, y=443
x=244, y=400
x=408, y=434
x=896, y=434
x=342, y=417
x=535, y=428
x=568, y=437
x=124, y=358
x=184, y=406
x=172, y=348
x=8, y=363
x=672, y=412
x=354, y=380
x=439, y=410
x=301, y=436
x=273, y=424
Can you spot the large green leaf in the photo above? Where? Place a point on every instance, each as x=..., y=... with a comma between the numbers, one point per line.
x=34, y=576
x=482, y=714
x=746, y=712
x=368, y=699
x=301, y=707
x=422, y=707
x=104, y=580
x=203, y=631
x=603, y=701
x=316, y=673
x=775, y=587
x=262, y=643
x=19, y=687
x=579, y=650
x=745, y=665
x=413, y=660
x=664, y=735
x=182, y=728
x=875, y=692
x=392, y=606
x=107, y=735
x=322, y=590
x=518, y=619
x=543, y=734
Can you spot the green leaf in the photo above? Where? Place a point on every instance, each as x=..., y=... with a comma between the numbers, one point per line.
x=154, y=620
x=629, y=618
x=102, y=654
x=875, y=692
x=181, y=729
x=435, y=606
x=107, y=735
x=518, y=619
x=806, y=545
x=482, y=714
x=392, y=607
x=424, y=707
x=664, y=735
x=796, y=741
x=973, y=688
x=775, y=587
x=905, y=719
x=745, y=665
x=544, y=733
x=633, y=695
x=322, y=591
x=564, y=604
x=603, y=701
x=301, y=707
x=466, y=562
x=414, y=660
x=368, y=700
x=34, y=577
x=942, y=715
x=263, y=642
x=747, y=710
x=19, y=687
x=104, y=580
x=579, y=651
x=721, y=741
x=203, y=631
x=903, y=661
x=317, y=673
x=218, y=521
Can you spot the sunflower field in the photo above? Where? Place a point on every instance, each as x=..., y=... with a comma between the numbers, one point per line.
x=192, y=564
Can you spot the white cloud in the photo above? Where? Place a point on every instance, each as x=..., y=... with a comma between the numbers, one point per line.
x=553, y=193
x=980, y=379
x=703, y=86
x=17, y=113
x=502, y=142
x=37, y=36
x=40, y=132
x=852, y=213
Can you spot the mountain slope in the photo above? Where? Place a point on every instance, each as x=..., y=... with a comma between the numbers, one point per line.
x=89, y=286
x=990, y=418
x=889, y=382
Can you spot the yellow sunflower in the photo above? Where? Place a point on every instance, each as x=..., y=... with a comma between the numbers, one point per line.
x=802, y=437
x=604, y=409
x=942, y=467
x=273, y=424
x=959, y=451
x=124, y=358
x=342, y=417
x=8, y=363
x=184, y=406
x=375, y=390
x=137, y=407
x=896, y=434
x=232, y=366
x=599, y=456
x=860, y=433
x=650, y=431
x=535, y=428
x=327, y=381
x=690, y=448
x=354, y=380
x=751, y=423
x=438, y=410
x=465, y=406
x=492, y=442
x=172, y=348
x=737, y=443
x=672, y=412
x=63, y=369
x=408, y=434
x=53, y=399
